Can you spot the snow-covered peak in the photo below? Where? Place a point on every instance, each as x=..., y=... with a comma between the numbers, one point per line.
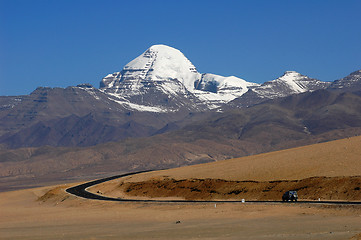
x=162, y=77
x=163, y=54
x=224, y=82
x=223, y=85
x=217, y=89
x=292, y=79
x=164, y=62
x=163, y=74
x=290, y=75
x=291, y=82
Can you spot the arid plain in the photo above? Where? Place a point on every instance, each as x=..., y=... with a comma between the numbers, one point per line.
x=51, y=213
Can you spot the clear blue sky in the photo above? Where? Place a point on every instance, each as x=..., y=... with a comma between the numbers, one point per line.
x=60, y=43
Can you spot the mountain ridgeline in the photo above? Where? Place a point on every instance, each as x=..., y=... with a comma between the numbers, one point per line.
x=157, y=92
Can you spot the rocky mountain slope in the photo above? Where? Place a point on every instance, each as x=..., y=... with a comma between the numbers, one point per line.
x=295, y=120
x=79, y=116
x=351, y=82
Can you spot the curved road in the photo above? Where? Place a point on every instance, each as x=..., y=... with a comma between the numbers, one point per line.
x=80, y=191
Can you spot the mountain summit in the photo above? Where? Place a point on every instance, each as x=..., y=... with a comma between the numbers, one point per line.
x=158, y=63
x=163, y=77
x=291, y=82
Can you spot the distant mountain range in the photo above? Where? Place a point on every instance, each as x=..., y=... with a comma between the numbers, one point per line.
x=159, y=91
x=160, y=112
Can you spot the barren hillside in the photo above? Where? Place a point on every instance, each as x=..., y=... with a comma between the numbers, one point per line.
x=330, y=171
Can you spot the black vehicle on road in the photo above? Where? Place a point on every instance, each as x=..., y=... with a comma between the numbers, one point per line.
x=290, y=196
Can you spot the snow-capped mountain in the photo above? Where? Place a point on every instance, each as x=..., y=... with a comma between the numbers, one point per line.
x=217, y=90
x=291, y=82
x=162, y=77
x=158, y=64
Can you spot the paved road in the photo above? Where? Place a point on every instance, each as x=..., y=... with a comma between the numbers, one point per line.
x=80, y=191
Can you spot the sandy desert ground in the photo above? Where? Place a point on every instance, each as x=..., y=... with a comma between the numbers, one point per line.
x=51, y=213
x=24, y=216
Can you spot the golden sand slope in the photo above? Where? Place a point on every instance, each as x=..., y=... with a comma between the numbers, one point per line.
x=330, y=159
